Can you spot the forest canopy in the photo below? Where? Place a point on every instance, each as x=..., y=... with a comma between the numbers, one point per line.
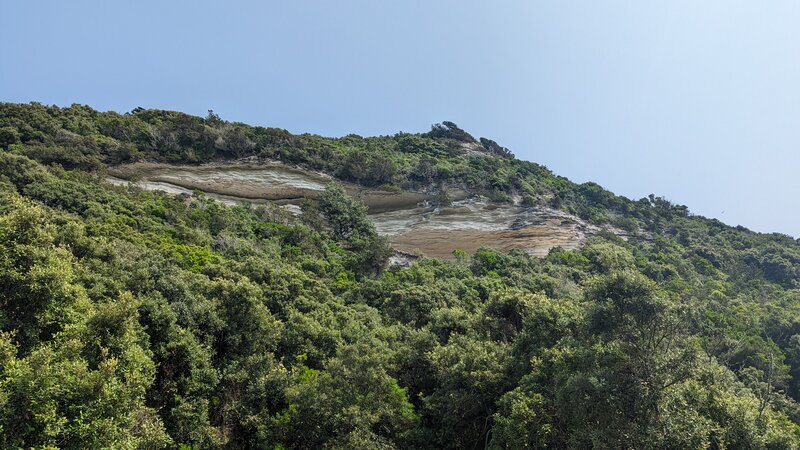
x=135, y=319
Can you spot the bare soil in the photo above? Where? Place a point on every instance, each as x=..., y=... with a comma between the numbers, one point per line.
x=536, y=240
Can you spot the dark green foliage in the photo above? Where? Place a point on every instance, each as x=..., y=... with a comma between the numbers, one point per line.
x=346, y=217
x=80, y=137
x=449, y=130
x=495, y=148
x=348, y=222
x=134, y=319
x=8, y=136
x=71, y=157
x=361, y=166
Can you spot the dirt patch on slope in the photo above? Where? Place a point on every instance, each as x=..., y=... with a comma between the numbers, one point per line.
x=536, y=240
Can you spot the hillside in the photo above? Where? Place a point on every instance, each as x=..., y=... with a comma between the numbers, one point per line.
x=156, y=292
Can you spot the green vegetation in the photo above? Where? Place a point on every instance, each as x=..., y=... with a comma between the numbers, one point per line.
x=133, y=319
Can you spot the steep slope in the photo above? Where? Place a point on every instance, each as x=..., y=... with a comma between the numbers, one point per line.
x=141, y=319
x=417, y=223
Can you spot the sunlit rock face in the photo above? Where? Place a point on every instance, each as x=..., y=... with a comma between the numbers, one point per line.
x=415, y=224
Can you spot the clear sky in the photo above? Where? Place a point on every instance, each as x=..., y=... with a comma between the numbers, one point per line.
x=698, y=101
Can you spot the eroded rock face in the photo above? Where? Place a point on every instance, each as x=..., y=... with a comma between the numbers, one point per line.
x=232, y=182
x=416, y=226
x=476, y=222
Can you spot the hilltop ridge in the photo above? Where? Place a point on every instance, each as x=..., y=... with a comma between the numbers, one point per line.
x=445, y=158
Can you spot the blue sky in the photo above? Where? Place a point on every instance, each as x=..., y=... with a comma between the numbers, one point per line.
x=695, y=101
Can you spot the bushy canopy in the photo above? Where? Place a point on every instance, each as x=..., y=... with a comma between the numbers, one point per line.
x=132, y=319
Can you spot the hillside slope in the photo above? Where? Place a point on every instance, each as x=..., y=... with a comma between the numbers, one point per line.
x=138, y=319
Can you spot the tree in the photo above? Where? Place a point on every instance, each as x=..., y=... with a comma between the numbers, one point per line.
x=233, y=141
x=449, y=130
x=345, y=216
x=496, y=149
x=353, y=400
x=470, y=375
x=8, y=136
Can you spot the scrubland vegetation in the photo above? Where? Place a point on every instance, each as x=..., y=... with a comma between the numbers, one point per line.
x=132, y=319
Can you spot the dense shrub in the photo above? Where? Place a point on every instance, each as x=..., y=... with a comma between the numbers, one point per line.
x=134, y=319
